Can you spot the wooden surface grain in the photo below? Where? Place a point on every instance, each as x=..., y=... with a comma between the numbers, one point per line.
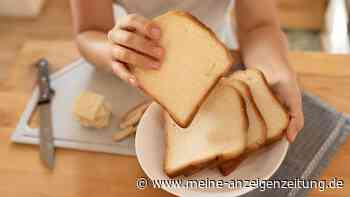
x=301, y=14
x=80, y=173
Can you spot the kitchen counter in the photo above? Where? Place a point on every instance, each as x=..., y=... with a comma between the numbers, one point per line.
x=80, y=173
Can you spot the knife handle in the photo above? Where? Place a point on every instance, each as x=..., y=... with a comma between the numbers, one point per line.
x=45, y=91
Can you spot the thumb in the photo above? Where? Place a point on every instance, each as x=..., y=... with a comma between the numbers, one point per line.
x=290, y=96
x=296, y=123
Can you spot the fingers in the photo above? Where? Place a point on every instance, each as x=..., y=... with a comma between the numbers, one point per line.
x=295, y=125
x=129, y=56
x=135, y=38
x=140, y=24
x=137, y=42
x=296, y=113
x=288, y=94
x=121, y=71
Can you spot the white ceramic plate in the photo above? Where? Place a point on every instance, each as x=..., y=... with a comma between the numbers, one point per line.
x=150, y=148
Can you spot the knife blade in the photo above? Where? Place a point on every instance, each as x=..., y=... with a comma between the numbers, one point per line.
x=47, y=148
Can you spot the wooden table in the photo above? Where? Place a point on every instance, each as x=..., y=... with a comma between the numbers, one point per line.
x=95, y=174
x=301, y=14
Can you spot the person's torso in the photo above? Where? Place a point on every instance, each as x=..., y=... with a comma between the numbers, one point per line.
x=211, y=12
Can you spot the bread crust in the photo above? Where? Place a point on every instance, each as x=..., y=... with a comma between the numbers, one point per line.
x=255, y=110
x=259, y=117
x=244, y=114
x=188, y=121
x=125, y=116
x=193, y=113
x=228, y=167
x=198, y=165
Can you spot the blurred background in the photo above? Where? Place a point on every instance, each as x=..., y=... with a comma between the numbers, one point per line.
x=311, y=25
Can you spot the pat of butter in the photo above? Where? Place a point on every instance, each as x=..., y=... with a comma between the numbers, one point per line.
x=91, y=111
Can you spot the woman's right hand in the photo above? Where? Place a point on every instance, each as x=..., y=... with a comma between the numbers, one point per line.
x=135, y=43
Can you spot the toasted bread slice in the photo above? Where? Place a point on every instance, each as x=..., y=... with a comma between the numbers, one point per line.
x=218, y=132
x=194, y=62
x=257, y=131
x=273, y=113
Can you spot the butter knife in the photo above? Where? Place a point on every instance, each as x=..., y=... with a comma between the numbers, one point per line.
x=47, y=148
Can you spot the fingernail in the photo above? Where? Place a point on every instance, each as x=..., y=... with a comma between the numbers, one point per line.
x=155, y=32
x=158, y=51
x=109, y=36
x=132, y=81
x=292, y=137
x=155, y=65
x=114, y=67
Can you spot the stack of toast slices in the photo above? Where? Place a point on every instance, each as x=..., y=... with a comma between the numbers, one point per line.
x=218, y=133
x=267, y=117
x=240, y=116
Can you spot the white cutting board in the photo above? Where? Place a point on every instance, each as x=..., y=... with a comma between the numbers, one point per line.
x=68, y=84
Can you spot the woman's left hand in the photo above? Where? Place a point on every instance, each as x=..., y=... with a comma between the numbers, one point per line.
x=286, y=89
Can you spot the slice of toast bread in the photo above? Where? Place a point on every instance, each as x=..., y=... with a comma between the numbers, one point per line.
x=273, y=113
x=257, y=131
x=194, y=62
x=217, y=133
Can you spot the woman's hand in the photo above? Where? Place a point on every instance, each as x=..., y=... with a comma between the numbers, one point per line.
x=135, y=43
x=264, y=46
x=285, y=86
